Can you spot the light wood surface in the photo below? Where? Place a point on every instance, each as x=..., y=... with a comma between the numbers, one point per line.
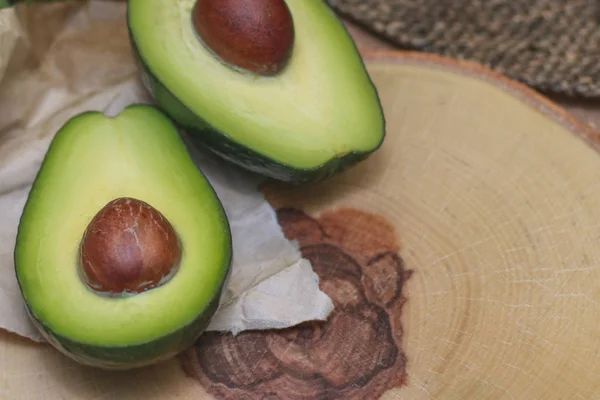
x=587, y=111
x=486, y=192
x=492, y=196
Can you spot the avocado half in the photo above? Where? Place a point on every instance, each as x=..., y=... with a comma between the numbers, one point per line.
x=316, y=117
x=93, y=160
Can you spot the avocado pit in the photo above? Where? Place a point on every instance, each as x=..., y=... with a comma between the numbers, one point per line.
x=252, y=35
x=128, y=247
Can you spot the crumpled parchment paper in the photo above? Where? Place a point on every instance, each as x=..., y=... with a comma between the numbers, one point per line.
x=59, y=59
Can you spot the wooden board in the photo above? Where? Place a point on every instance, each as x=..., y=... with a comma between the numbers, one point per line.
x=462, y=258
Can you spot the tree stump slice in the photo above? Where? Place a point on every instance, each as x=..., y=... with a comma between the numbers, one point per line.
x=463, y=256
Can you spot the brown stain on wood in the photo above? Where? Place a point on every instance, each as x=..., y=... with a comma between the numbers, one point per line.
x=356, y=354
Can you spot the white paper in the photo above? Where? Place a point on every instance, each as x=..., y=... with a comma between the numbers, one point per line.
x=88, y=66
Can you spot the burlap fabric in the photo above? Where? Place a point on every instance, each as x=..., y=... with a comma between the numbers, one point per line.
x=551, y=45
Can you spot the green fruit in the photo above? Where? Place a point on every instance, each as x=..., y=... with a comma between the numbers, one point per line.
x=288, y=97
x=123, y=247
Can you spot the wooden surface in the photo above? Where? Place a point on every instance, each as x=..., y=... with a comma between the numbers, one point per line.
x=462, y=258
x=492, y=198
x=585, y=110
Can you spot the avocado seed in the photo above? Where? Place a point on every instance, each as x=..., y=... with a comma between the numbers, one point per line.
x=128, y=246
x=252, y=35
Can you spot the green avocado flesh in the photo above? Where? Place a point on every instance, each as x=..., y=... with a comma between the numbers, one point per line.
x=318, y=116
x=92, y=160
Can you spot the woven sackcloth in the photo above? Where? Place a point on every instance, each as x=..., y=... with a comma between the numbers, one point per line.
x=551, y=45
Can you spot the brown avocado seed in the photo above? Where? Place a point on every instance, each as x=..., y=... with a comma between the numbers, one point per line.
x=129, y=246
x=252, y=35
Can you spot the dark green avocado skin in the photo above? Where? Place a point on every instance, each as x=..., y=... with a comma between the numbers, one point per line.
x=124, y=358
x=11, y=3
x=204, y=135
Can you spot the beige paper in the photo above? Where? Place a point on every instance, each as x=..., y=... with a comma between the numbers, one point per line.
x=57, y=60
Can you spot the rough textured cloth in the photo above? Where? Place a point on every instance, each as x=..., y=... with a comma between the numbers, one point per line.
x=551, y=45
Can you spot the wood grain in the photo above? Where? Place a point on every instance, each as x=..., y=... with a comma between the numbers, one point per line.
x=587, y=111
x=492, y=192
x=491, y=188
x=357, y=353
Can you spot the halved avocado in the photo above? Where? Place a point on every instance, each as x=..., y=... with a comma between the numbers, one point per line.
x=123, y=247
x=309, y=120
